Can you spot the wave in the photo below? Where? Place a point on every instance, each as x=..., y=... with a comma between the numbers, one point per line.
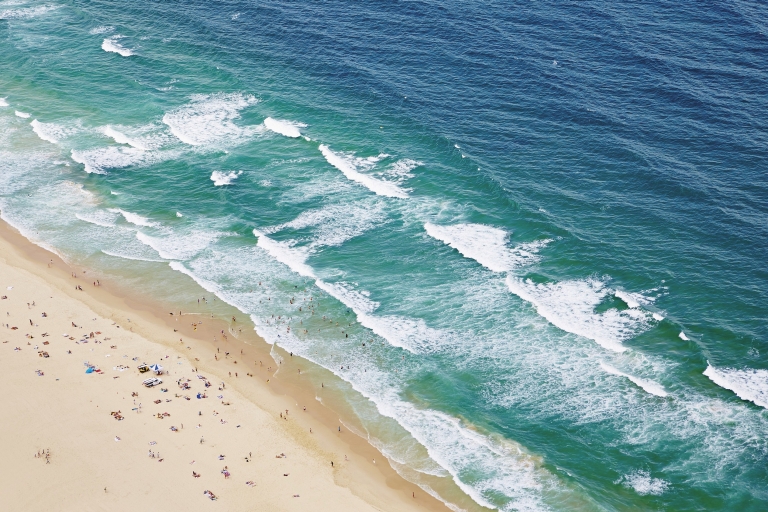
x=220, y=178
x=486, y=245
x=105, y=219
x=4, y=102
x=643, y=484
x=111, y=44
x=98, y=160
x=286, y=128
x=570, y=306
x=122, y=138
x=284, y=252
x=22, y=115
x=349, y=166
x=179, y=246
x=26, y=13
x=410, y=334
x=335, y=224
x=748, y=384
x=210, y=118
x=632, y=300
x=127, y=257
x=134, y=218
x=50, y=132
x=204, y=283
x=647, y=385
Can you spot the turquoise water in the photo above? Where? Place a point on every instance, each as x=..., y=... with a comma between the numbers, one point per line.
x=545, y=222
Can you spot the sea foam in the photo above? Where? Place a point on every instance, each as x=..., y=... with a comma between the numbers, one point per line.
x=134, y=218
x=210, y=118
x=98, y=160
x=486, y=245
x=22, y=115
x=643, y=484
x=112, y=45
x=26, y=13
x=285, y=128
x=647, y=385
x=105, y=219
x=748, y=384
x=4, y=102
x=350, y=166
x=570, y=306
x=122, y=138
x=293, y=257
x=335, y=224
x=50, y=132
x=221, y=178
x=179, y=246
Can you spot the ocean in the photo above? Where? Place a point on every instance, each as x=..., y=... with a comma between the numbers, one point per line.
x=529, y=239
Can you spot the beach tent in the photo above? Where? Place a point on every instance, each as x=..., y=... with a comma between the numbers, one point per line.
x=156, y=368
x=89, y=370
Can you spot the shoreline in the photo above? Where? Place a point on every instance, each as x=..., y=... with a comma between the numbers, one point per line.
x=377, y=483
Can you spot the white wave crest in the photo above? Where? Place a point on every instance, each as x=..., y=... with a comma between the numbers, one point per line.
x=122, y=138
x=4, y=102
x=285, y=128
x=22, y=115
x=220, y=178
x=112, y=45
x=683, y=336
x=129, y=257
x=50, y=132
x=570, y=306
x=350, y=167
x=643, y=484
x=486, y=245
x=135, y=218
x=647, y=385
x=293, y=257
x=748, y=384
x=209, y=119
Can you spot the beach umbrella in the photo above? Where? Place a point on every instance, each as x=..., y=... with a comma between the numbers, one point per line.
x=156, y=368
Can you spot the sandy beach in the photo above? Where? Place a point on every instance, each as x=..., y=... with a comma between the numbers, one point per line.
x=80, y=432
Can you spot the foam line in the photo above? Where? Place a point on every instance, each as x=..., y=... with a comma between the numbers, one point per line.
x=570, y=306
x=48, y=132
x=347, y=166
x=647, y=385
x=133, y=258
x=285, y=128
x=486, y=245
x=285, y=253
x=122, y=138
x=134, y=218
x=748, y=384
